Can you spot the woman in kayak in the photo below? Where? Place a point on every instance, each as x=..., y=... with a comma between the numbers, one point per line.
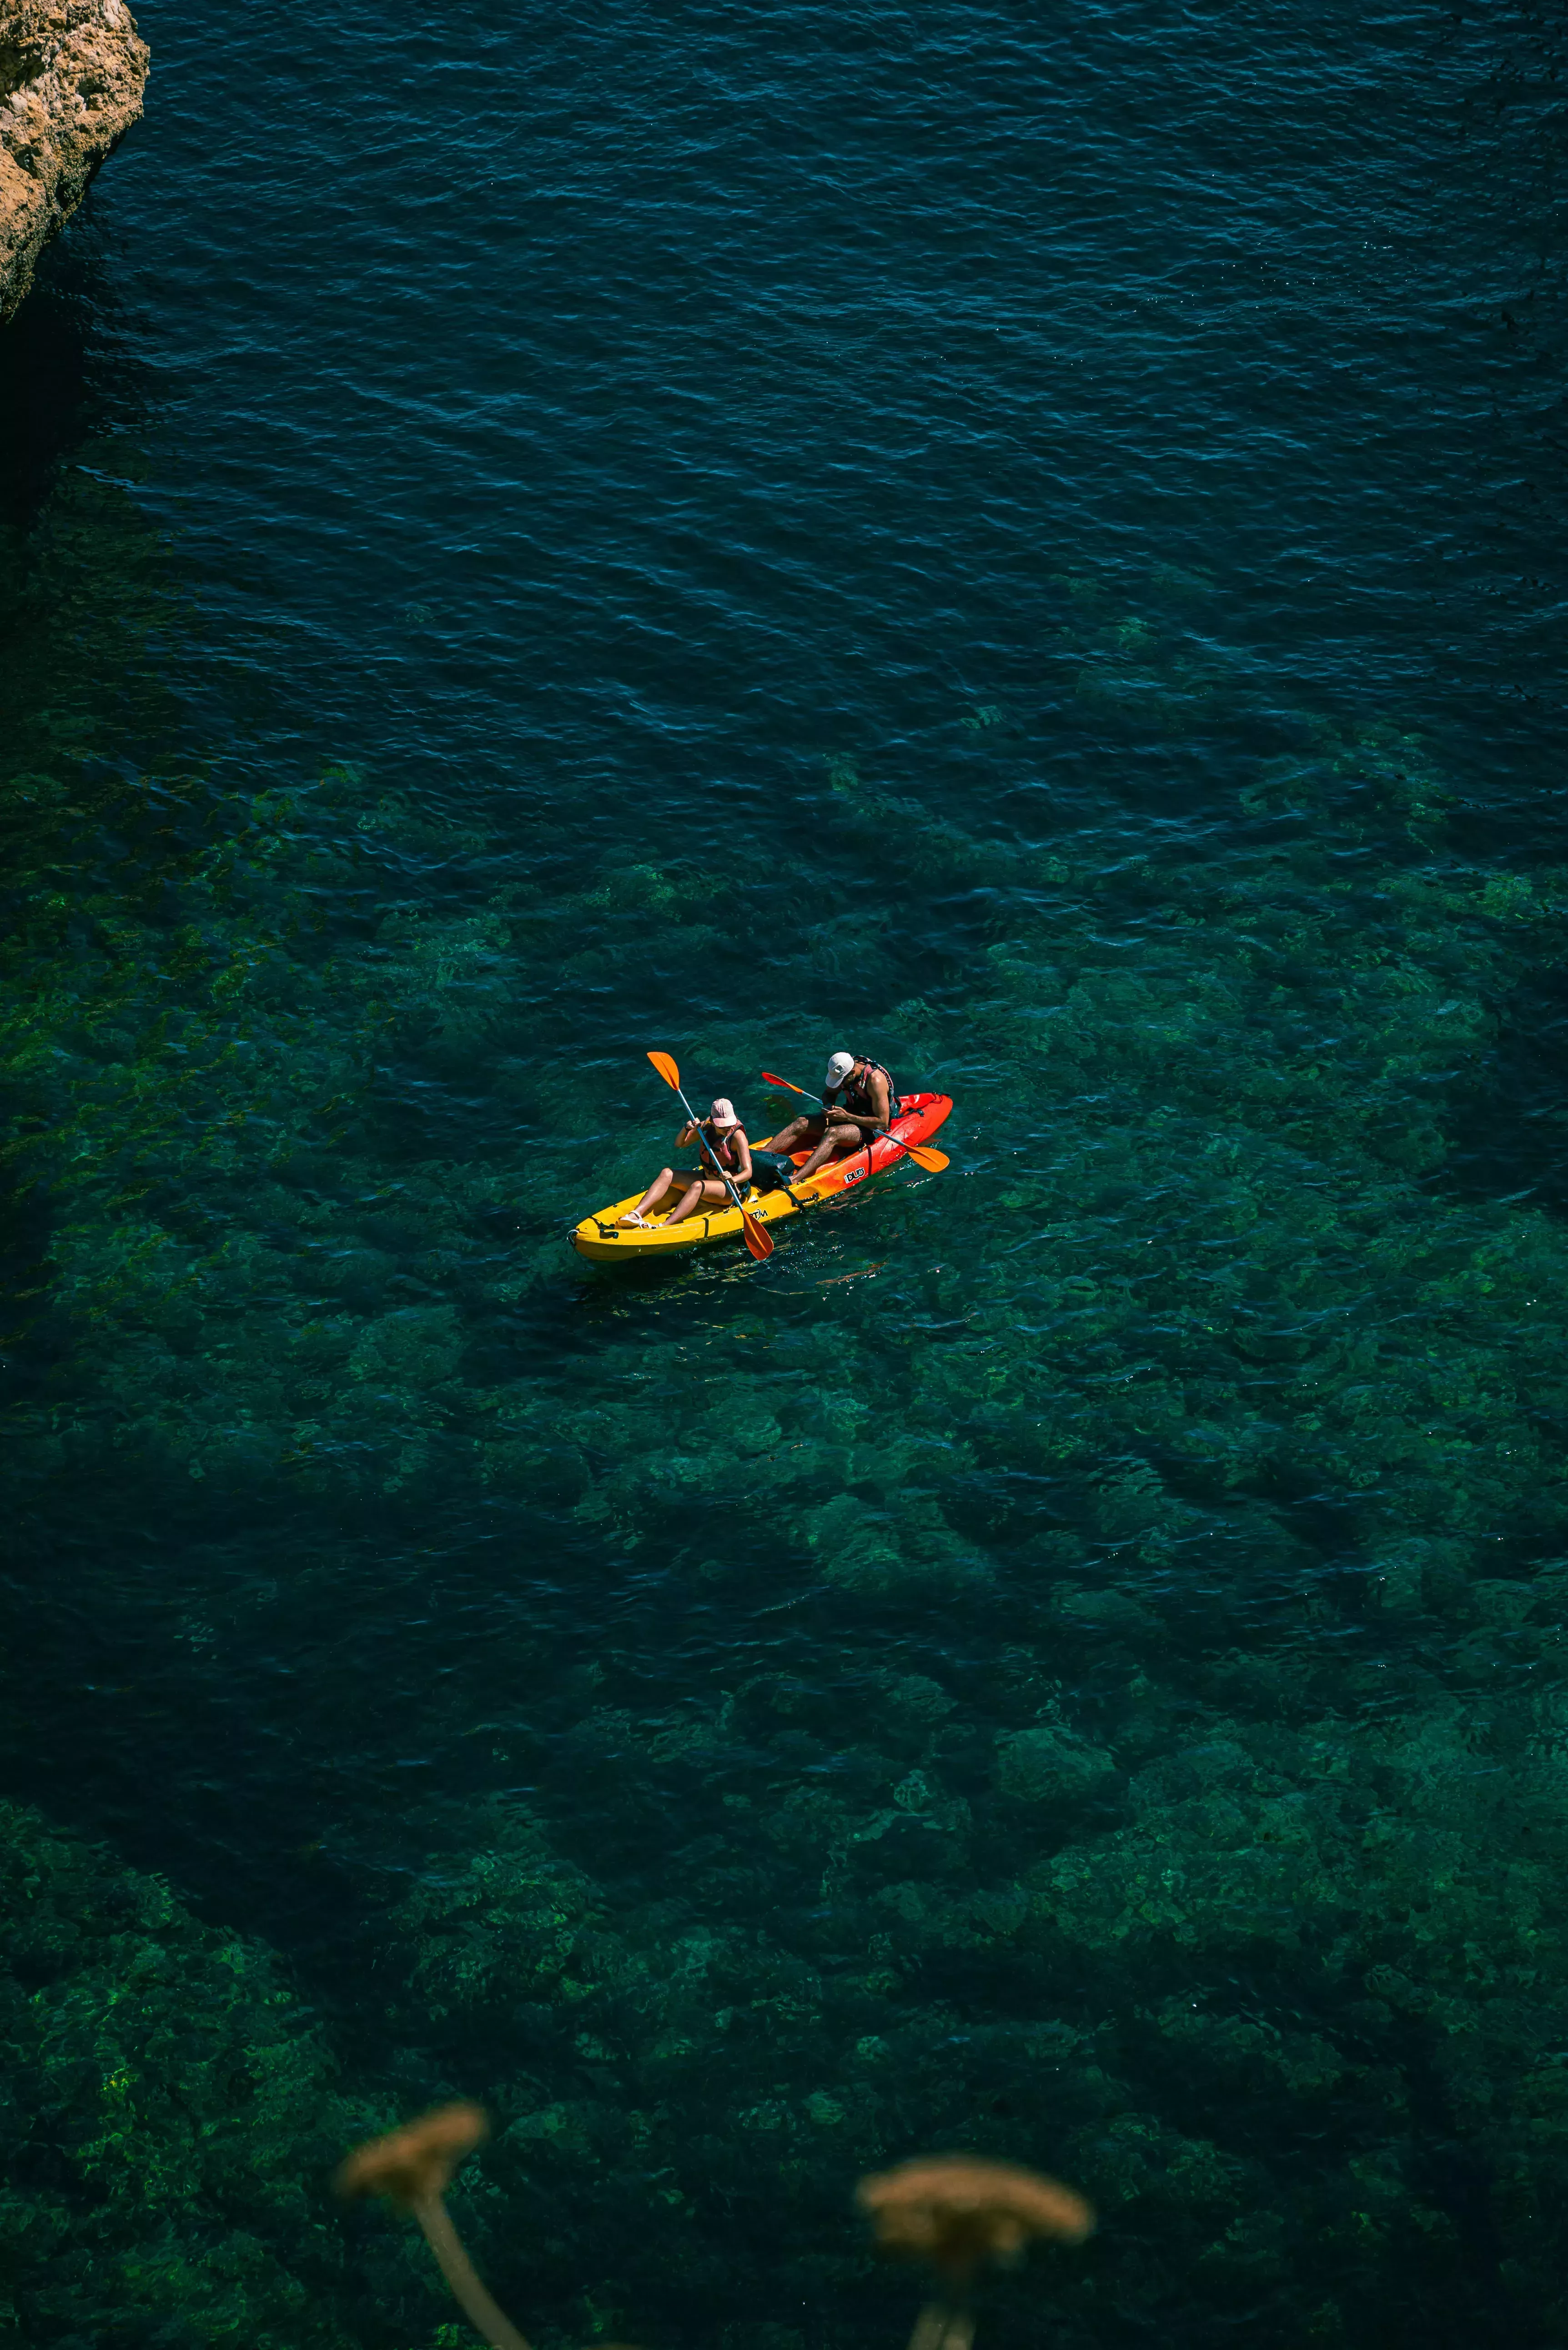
x=726, y=1138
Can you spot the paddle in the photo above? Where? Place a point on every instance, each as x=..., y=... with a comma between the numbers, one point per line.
x=933, y=1162
x=760, y=1243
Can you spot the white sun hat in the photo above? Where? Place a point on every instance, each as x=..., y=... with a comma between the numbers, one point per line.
x=724, y=1113
x=838, y=1069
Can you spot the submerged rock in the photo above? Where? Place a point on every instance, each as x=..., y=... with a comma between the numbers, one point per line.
x=1045, y=1765
x=71, y=77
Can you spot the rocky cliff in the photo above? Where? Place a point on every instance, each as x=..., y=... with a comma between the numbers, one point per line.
x=71, y=78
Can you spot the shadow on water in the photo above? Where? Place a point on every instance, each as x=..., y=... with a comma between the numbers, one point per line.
x=50, y=403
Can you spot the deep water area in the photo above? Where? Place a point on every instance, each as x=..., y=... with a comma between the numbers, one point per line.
x=1028, y=544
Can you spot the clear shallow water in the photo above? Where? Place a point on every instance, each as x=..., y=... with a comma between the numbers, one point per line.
x=1032, y=550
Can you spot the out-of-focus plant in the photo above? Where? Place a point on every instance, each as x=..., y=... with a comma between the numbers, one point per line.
x=961, y=2214
x=412, y=2168
x=955, y=2212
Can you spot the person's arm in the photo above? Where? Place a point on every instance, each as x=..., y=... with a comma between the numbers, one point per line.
x=687, y=1134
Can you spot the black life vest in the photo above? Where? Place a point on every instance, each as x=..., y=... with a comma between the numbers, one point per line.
x=857, y=1091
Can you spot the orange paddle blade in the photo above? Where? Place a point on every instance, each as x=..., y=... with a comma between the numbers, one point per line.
x=769, y=1079
x=665, y=1064
x=923, y=1156
x=761, y=1243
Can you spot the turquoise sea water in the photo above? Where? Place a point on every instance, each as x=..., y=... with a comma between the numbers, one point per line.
x=1029, y=545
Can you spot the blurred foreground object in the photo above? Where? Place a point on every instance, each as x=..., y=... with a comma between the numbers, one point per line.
x=412, y=2168
x=958, y=2213
x=71, y=77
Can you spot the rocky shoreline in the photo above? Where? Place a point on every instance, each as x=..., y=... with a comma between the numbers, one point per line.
x=72, y=73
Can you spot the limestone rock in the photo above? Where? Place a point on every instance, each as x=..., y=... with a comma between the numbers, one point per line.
x=71, y=77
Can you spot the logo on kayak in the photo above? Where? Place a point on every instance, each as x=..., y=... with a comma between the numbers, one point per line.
x=857, y=1177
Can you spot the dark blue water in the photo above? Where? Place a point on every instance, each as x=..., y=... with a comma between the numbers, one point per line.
x=1032, y=546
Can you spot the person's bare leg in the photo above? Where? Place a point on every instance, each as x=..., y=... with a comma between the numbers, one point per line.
x=836, y=1139
x=788, y=1137
x=653, y=1195
x=691, y=1199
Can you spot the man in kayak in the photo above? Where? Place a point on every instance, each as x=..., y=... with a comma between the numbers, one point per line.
x=701, y=1186
x=859, y=1103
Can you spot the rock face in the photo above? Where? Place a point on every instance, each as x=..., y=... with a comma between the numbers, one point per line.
x=71, y=77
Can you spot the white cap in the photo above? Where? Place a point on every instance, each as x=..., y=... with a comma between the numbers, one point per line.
x=838, y=1069
x=724, y=1113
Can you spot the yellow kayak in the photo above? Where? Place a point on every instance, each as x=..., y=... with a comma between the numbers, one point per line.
x=608, y=1242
